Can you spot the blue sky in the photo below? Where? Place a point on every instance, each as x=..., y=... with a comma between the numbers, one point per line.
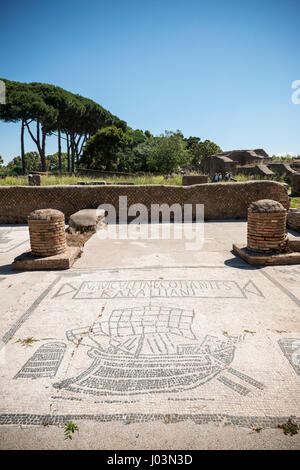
x=220, y=70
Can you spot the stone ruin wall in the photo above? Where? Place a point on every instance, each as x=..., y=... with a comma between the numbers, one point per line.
x=221, y=200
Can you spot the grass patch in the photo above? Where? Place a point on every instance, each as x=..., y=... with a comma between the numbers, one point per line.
x=53, y=180
x=70, y=429
x=27, y=342
x=289, y=428
x=14, y=181
x=295, y=202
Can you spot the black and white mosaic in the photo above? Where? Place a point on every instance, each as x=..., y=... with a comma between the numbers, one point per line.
x=293, y=272
x=158, y=355
x=44, y=362
x=265, y=422
x=291, y=349
x=151, y=350
x=213, y=288
x=7, y=243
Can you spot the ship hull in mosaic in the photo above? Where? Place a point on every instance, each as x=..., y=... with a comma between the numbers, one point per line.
x=148, y=350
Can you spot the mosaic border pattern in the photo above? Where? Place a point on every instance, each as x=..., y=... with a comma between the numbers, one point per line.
x=12, y=331
x=14, y=247
x=286, y=346
x=132, y=418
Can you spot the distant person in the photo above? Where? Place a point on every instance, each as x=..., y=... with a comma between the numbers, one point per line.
x=220, y=177
x=216, y=178
x=227, y=176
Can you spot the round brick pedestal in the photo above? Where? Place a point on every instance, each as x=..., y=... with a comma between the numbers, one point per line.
x=266, y=226
x=47, y=232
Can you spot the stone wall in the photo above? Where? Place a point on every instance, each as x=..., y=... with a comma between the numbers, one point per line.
x=221, y=200
x=215, y=164
x=188, y=180
x=295, y=180
x=282, y=169
x=293, y=219
x=257, y=170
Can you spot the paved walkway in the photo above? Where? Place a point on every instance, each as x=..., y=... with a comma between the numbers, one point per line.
x=144, y=344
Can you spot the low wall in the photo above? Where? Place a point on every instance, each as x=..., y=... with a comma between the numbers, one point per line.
x=295, y=180
x=189, y=180
x=282, y=169
x=293, y=219
x=221, y=200
x=257, y=170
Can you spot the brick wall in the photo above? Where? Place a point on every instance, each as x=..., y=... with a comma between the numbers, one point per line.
x=47, y=233
x=221, y=200
x=266, y=231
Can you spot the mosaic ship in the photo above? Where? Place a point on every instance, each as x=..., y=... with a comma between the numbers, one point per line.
x=146, y=350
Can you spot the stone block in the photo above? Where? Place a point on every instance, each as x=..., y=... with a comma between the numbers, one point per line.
x=264, y=259
x=188, y=180
x=92, y=183
x=295, y=181
x=35, y=180
x=85, y=220
x=293, y=219
x=29, y=262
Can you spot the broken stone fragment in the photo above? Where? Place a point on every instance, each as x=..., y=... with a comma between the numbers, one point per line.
x=85, y=220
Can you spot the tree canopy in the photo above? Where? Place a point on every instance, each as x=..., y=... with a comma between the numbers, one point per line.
x=199, y=150
x=44, y=109
x=91, y=136
x=167, y=152
x=101, y=150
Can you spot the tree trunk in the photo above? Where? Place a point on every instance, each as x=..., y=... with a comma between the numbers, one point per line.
x=59, y=151
x=80, y=146
x=40, y=146
x=43, y=151
x=22, y=148
x=68, y=152
x=73, y=153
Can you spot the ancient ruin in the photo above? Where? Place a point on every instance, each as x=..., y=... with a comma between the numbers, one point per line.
x=266, y=226
x=47, y=232
x=250, y=163
x=48, y=243
x=34, y=180
x=267, y=241
x=229, y=161
x=295, y=181
x=222, y=201
x=293, y=219
x=188, y=180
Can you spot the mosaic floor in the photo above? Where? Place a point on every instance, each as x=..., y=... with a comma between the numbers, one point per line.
x=203, y=343
x=148, y=334
x=12, y=239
